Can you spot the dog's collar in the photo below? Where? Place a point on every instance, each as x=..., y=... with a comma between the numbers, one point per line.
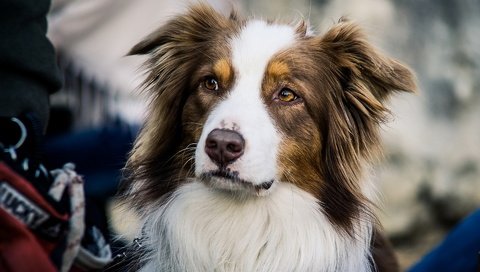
x=127, y=259
x=135, y=247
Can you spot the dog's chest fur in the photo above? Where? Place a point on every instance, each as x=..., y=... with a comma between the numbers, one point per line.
x=199, y=229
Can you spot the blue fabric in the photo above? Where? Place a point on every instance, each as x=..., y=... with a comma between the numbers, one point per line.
x=98, y=154
x=458, y=252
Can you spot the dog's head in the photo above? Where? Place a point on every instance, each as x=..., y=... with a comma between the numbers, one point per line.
x=246, y=105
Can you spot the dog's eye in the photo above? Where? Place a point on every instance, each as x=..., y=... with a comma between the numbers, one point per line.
x=211, y=84
x=287, y=95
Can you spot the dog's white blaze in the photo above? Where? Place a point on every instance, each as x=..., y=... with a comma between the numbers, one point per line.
x=244, y=109
x=200, y=229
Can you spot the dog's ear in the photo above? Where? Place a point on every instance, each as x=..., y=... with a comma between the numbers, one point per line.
x=361, y=63
x=364, y=78
x=367, y=78
x=189, y=29
x=174, y=52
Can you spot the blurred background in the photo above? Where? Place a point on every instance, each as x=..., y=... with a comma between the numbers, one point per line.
x=429, y=177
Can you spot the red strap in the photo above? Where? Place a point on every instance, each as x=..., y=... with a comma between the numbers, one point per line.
x=20, y=250
x=27, y=189
x=22, y=208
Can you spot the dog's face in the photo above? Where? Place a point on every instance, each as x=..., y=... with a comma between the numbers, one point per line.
x=246, y=105
x=252, y=92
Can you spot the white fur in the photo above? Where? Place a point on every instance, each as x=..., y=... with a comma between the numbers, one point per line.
x=243, y=109
x=203, y=229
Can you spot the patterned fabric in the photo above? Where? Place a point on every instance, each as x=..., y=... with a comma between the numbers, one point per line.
x=23, y=214
x=42, y=214
x=67, y=179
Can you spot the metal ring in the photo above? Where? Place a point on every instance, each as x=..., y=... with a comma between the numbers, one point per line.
x=23, y=131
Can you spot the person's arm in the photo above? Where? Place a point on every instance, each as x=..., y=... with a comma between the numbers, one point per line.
x=28, y=70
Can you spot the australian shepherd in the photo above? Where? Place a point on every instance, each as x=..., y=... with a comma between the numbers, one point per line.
x=253, y=156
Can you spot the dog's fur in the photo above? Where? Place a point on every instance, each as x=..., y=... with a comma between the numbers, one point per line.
x=298, y=198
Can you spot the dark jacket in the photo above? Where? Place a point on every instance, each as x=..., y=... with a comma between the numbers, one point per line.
x=28, y=70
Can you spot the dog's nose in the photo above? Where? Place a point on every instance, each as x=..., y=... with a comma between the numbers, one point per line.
x=224, y=146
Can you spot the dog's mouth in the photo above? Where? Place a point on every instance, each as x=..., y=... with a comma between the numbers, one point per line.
x=227, y=179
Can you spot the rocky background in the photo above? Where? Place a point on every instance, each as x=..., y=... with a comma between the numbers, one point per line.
x=430, y=175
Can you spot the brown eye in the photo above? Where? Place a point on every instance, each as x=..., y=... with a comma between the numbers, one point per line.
x=211, y=84
x=287, y=95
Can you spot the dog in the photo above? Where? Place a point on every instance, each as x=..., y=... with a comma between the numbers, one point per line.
x=255, y=150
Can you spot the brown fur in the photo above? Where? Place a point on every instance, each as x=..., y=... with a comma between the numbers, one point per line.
x=345, y=83
x=328, y=134
x=364, y=79
x=224, y=70
x=157, y=161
